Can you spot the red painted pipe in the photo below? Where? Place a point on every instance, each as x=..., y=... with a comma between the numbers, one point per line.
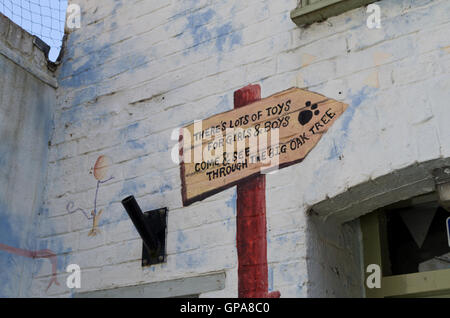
x=251, y=234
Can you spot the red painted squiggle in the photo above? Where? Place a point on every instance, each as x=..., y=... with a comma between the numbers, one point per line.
x=35, y=254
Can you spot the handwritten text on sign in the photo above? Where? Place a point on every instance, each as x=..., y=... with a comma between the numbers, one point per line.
x=277, y=131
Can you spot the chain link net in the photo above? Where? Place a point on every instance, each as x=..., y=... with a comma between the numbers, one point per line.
x=42, y=18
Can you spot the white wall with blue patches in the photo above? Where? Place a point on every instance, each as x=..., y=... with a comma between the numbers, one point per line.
x=137, y=70
x=27, y=103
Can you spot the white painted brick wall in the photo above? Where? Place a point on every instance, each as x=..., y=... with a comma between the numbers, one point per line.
x=134, y=72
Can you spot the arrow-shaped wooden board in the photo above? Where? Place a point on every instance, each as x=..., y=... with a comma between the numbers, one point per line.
x=300, y=116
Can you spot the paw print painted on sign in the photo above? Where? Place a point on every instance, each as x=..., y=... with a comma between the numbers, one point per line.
x=305, y=116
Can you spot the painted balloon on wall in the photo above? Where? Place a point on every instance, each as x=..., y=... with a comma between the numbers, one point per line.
x=101, y=168
x=101, y=172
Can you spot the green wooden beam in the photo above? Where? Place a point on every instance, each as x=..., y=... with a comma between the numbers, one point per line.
x=370, y=228
x=323, y=9
x=423, y=284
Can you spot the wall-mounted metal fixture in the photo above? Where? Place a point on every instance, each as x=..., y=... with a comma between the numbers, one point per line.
x=442, y=180
x=311, y=11
x=151, y=226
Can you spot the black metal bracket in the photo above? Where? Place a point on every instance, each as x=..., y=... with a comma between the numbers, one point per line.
x=156, y=220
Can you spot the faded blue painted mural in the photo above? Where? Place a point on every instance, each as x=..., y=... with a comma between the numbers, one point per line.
x=83, y=75
x=11, y=272
x=27, y=106
x=202, y=28
x=356, y=99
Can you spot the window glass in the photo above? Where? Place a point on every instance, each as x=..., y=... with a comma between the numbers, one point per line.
x=416, y=239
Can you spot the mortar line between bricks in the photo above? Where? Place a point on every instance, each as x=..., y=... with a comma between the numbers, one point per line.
x=146, y=82
x=179, y=51
x=363, y=70
x=206, y=24
x=102, y=150
x=344, y=31
x=213, y=247
x=334, y=58
x=275, y=236
x=202, y=226
x=135, y=86
x=347, y=54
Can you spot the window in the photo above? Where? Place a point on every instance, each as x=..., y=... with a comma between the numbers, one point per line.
x=310, y=11
x=409, y=241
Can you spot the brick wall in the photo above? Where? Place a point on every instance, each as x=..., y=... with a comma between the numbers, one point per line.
x=137, y=70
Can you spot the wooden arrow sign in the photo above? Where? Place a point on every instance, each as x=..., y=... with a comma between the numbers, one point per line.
x=275, y=132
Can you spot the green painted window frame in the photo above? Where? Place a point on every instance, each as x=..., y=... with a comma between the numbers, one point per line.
x=423, y=284
x=307, y=13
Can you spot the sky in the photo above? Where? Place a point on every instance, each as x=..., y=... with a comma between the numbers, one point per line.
x=43, y=18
